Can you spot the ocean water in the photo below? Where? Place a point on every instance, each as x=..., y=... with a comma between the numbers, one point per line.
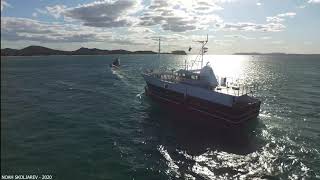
x=73, y=117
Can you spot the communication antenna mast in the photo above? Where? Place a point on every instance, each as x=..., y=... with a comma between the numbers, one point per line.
x=203, y=48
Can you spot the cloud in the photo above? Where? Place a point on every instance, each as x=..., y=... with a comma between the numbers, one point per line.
x=266, y=38
x=314, y=1
x=131, y=22
x=56, y=10
x=15, y=29
x=176, y=16
x=227, y=42
x=27, y=29
x=235, y=36
x=275, y=19
x=181, y=16
x=247, y=26
x=140, y=30
x=4, y=4
x=288, y=14
x=281, y=17
x=173, y=15
x=104, y=13
x=41, y=11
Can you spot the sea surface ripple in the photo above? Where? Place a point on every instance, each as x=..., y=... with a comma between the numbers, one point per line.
x=75, y=118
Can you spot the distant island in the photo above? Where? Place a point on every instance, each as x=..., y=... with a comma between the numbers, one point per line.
x=273, y=53
x=44, y=51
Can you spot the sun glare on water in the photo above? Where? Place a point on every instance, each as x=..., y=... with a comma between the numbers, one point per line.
x=226, y=65
x=230, y=66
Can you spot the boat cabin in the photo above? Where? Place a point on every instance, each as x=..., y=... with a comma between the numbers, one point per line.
x=204, y=77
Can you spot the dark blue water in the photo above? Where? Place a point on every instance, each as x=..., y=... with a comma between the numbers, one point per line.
x=74, y=118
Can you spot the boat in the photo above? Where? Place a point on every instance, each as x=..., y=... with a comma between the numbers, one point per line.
x=198, y=92
x=115, y=63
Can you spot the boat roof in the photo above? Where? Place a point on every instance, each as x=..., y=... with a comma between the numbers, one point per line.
x=191, y=72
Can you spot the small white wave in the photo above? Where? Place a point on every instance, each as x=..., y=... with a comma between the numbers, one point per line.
x=121, y=76
x=140, y=95
x=173, y=168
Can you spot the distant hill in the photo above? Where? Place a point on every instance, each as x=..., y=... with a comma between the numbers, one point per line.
x=179, y=52
x=31, y=51
x=9, y=52
x=87, y=51
x=43, y=51
x=144, y=52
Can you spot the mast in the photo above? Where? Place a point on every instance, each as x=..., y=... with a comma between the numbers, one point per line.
x=159, y=48
x=202, y=55
x=159, y=51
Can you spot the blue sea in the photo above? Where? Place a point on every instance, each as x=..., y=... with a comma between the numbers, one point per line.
x=72, y=117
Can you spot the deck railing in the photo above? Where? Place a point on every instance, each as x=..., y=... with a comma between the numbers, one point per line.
x=238, y=89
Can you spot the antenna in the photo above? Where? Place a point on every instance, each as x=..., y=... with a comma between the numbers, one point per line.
x=159, y=51
x=203, y=49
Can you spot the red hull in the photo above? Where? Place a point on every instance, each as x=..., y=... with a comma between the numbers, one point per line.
x=213, y=114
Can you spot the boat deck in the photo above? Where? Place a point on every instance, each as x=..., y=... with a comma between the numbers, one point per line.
x=233, y=90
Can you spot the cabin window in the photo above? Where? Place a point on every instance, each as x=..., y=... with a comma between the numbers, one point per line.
x=194, y=77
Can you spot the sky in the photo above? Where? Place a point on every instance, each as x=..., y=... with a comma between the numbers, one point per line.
x=288, y=26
